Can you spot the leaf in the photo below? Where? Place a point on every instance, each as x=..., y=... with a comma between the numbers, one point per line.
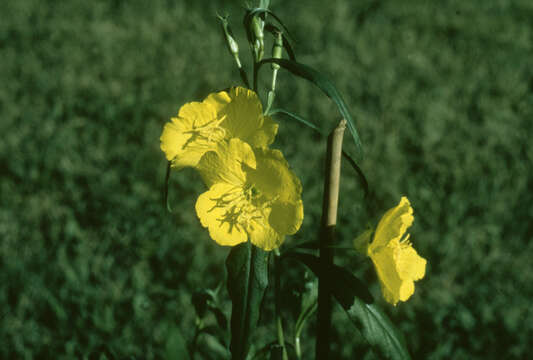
x=324, y=84
x=308, y=305
x=176, y=348
x=362, y=178
x=297, y=118
x=343, y=284
x=220, y=317
x=378, y=330
x=247, y=281
x=355, y=299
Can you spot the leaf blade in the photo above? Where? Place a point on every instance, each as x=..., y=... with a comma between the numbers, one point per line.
x=375, y=326
x=247, y=267
x=324, y=84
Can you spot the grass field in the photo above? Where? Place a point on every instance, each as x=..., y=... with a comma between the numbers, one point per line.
x=90, y=260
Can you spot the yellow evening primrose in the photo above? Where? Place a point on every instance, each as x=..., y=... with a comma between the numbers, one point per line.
x=396, y=261
x=200, y=126
x=253, y=196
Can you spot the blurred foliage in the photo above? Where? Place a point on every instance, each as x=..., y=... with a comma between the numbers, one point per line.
x=92, y=265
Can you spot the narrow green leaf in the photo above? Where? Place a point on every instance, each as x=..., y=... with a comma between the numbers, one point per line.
x=247, y=281
x=176, y=348
x=343, y=284
x=264, y=4
x=361, y=175
x=297, y=118
x=324, y=84
x=362, y=178
x=355, y=299
x=378, y=330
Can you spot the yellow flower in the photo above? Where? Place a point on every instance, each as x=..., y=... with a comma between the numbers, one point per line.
x=200, y=126
x=397, y=264
x=253, y=195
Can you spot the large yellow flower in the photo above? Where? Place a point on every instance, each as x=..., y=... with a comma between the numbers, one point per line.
x=253, y=195
x=396, y=261
x=200, y=126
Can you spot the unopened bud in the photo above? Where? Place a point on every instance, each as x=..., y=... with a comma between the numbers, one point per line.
x=277, y=49
x=257, y=29
x=233, y=47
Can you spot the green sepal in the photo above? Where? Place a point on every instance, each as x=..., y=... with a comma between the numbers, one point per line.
x=247, y=267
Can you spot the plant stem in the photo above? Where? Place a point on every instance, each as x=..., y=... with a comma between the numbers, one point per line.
x=277, y=295
x=199, y=323
x=327, y=236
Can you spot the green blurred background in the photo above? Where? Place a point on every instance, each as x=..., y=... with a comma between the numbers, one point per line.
x=91, y=262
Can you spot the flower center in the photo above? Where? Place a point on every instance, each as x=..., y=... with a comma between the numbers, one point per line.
x=242, y=205
x=205, y=135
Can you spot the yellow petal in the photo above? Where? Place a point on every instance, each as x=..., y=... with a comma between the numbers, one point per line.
x=409, y=264
x=225, y=164
x=286, y=217
x=393, y=225
x=263, y=235
x=218, y=100
x=181, y=145
x=172, y=140
x=266, y=134
x=273, y=178
x=389, y=279
x=197, y=114
x=213, y=214
x=244, y=118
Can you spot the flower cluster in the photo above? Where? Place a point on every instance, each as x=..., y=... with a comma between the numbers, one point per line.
x=253, y=195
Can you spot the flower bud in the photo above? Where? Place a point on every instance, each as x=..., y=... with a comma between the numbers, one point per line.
x=257, y=30
x=233, y=47
x=277, y=49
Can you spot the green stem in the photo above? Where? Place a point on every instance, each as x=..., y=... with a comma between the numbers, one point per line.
x=327, y=236
x=277, y=295
x=198, y=328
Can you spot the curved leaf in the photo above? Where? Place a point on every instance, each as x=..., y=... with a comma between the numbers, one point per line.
x=355, y=299
x=343, y=284
x=324, y=84
x=247, y=281
x=378, y=330
x=297, y=118
x=362, y=178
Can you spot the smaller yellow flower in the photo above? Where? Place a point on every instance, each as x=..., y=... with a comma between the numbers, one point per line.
x=253, y=196
x=396, y=261
x=200, y=126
